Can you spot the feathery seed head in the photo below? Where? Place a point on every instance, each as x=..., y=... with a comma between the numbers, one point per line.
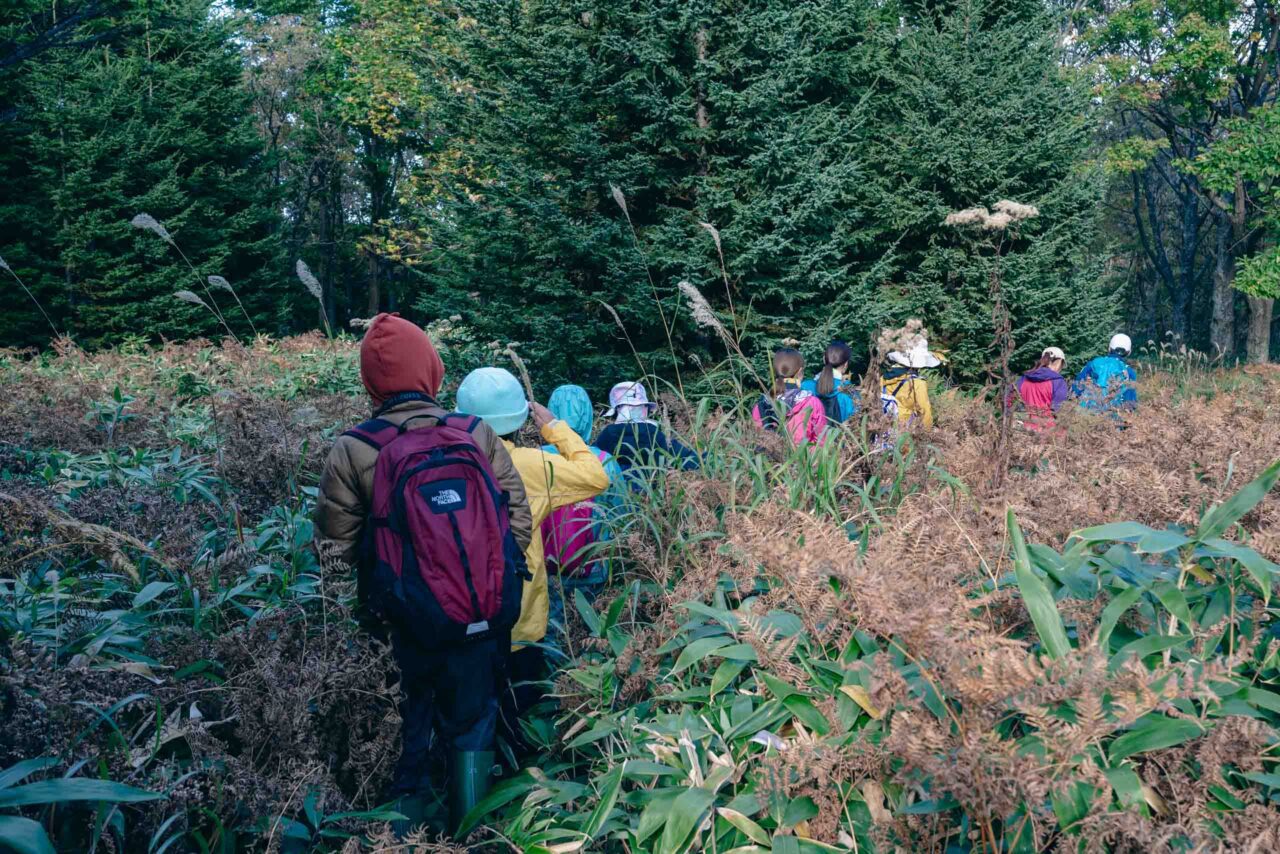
x=715, y=234
x=309, y=279
x=147, y=222
x=221, y=283
x=620, y=199
x=701, y=309
x=189, y=296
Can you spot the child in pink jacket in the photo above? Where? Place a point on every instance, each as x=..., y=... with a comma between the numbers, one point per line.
x=806, y=419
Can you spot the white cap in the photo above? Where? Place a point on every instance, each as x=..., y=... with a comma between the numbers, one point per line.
x=630, y=393
x=917, y=357
x=1054, y=353
x=1120, y=341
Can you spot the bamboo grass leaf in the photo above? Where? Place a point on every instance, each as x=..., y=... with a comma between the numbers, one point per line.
x=1039, y=602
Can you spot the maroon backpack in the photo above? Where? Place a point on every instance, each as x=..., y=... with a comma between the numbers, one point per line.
x=441, y=564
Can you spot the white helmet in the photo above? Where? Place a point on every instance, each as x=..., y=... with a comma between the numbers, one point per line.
x=1120, y=341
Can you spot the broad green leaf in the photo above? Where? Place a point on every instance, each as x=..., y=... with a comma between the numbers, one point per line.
x=1072, y=805
x=615, y=611
x=1271, y=781
x=802, y=707
x=1114, y=610
x=654, y=814
x=1154, y=732
x=698, y=650
x=1174, y=601
x=687, y=812
x=18, y=772
x=1226, y=514
x=589, y=615
x=603, y=729
x=1159, y=542
x=797, y=810
x=1262, y=570
x=501, y=795
x=73, y=789
x=1143, y=647
x=737, y=652
x=1127, y=786
x=24, y=836
x=725, y=673
x=1262, y=698
x=151, y=591
x=1129, y=532
x=753, y=831
x=776, y=686
x=639, y=768
x=1036, y=596
x=612, y=785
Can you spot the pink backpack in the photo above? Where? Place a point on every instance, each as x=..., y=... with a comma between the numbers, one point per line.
x=568, y=534
x=440, y=562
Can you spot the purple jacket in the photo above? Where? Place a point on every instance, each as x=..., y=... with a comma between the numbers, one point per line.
x=1033, y=392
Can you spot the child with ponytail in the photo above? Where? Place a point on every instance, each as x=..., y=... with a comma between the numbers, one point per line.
x=806, y=419
x=839, y=397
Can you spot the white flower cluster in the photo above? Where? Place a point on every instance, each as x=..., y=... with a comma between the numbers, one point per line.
x=1006, y=213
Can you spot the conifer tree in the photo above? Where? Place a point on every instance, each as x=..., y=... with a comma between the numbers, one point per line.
x=826, y=142
x=152, y=119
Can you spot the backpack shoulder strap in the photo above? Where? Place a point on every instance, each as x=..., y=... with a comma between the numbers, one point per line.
x=376, y=432
x=472, y=421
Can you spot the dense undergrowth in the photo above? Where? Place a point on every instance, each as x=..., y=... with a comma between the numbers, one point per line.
x=799, y=650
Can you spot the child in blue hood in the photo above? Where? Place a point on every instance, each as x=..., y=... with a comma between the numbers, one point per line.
x=572, y=536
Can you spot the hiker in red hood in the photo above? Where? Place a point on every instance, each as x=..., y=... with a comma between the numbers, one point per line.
x=1042, y=390
x=415, y=574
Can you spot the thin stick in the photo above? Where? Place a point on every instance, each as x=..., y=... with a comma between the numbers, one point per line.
x=243, y=310
x=23, y=285
x=635, y=240
x=510, y=352
x=209, y=293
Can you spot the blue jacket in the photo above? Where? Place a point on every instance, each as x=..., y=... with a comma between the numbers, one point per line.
x=841, y=404
x=1106, y=384
x=643, y=443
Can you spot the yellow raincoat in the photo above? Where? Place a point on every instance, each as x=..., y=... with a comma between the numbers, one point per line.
x=550, y=482
x=912, y=394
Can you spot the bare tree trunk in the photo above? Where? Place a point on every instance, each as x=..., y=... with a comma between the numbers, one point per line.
x=1258, y=348
x=1222, y=327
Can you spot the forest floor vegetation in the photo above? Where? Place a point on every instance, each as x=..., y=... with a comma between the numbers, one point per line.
x=799, y=649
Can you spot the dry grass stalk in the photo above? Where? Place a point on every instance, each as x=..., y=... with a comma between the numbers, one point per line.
x=5, y=266
x=313, y=286
x=104, y=542
x=621, y=201
x=222, y=284
x=146, y=222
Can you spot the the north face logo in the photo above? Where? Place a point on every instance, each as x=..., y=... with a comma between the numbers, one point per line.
x=446, y=496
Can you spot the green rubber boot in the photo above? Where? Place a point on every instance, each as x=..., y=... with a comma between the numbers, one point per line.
x=469, y=775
